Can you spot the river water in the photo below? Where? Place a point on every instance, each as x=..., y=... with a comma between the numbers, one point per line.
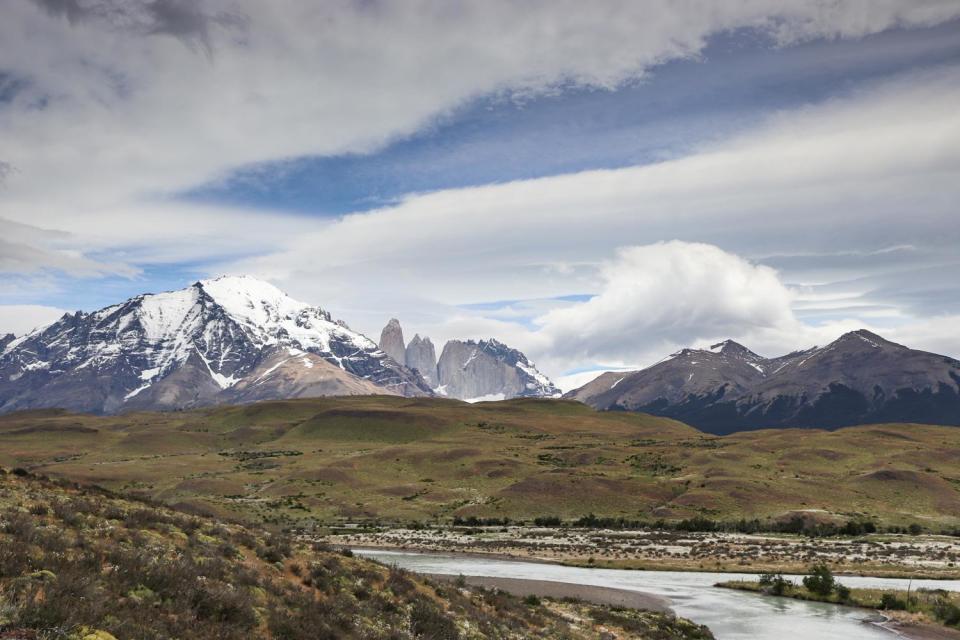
x=731, y=615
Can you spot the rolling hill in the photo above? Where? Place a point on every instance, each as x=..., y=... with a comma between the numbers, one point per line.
x=333, y=460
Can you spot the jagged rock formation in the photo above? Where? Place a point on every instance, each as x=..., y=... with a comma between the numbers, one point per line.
x=5, y=340
x=421, y=356
x=859, y=378
x=489, y=370
x=190, y=348
x=391, y=341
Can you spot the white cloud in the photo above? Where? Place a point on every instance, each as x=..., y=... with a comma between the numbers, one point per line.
x=110, y=121
x=664, y=294
x=126, y=103
x=18, y=319
x=857, y=174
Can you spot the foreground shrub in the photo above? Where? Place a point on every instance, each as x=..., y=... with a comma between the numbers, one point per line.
x=428, y=621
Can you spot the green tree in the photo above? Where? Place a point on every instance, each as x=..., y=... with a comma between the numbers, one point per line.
x=820, y=580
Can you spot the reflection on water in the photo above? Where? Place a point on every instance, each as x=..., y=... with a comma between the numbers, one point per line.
x=731, y=615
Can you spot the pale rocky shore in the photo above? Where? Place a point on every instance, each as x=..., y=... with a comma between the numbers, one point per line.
x=874, y=555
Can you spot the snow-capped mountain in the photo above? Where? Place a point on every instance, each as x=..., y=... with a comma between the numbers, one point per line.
x=215, y=341
x=489, y=370
x=859, y=378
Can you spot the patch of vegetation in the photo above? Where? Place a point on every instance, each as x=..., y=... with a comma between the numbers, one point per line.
x=647, y=625
x=87, y=564
x=243, y=456
x=934, y=605
x=654, y=464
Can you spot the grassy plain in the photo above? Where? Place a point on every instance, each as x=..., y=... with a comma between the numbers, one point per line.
x=329, y=461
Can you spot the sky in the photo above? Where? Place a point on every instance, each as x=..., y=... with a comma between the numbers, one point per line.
x=597, y=184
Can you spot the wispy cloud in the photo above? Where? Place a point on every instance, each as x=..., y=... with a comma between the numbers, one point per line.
x=119, y=106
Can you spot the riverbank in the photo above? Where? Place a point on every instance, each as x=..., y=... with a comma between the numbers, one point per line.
x=919, y=630
x=882, y=556
x=692, y=595
x=560, y=590
x=920, y=623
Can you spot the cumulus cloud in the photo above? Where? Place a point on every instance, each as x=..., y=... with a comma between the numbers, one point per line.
x=654, y=299
x=667, y=293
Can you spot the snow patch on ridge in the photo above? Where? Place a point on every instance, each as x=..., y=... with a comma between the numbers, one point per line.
x=492, y=397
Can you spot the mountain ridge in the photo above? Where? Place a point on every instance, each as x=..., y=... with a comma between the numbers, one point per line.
x=181, y=349
x=858, y=378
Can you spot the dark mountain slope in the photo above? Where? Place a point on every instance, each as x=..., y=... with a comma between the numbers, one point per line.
x=860, y=378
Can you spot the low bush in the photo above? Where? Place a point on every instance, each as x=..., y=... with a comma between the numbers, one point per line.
x=429, y=622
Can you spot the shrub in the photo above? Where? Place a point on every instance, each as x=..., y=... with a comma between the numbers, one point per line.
x=20, y=525
x=858, y=528
x=547, y=521
x=820, y=580
x=890, y=602
x=399, y=582
x=67, y=513
x=946, y=612
x=427, y=621
x=224, y=605
x=775, y=583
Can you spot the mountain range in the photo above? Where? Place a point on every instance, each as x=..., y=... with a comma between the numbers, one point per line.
x=237, y=339
x=859, y=378
x=231, y=339
x=467, y=369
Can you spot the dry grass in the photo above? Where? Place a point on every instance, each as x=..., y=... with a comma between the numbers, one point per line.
x=398, y=460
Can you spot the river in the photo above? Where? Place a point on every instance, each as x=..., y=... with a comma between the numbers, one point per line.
x=731, y=615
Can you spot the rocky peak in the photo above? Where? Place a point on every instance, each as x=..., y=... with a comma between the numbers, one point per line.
x=489, y=370
x=391, y=341
x=734, y=349
x=861, y=339
x=421, y=356
x=5, y=340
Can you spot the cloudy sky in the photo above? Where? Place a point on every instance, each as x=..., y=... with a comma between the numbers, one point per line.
x=597, y=183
